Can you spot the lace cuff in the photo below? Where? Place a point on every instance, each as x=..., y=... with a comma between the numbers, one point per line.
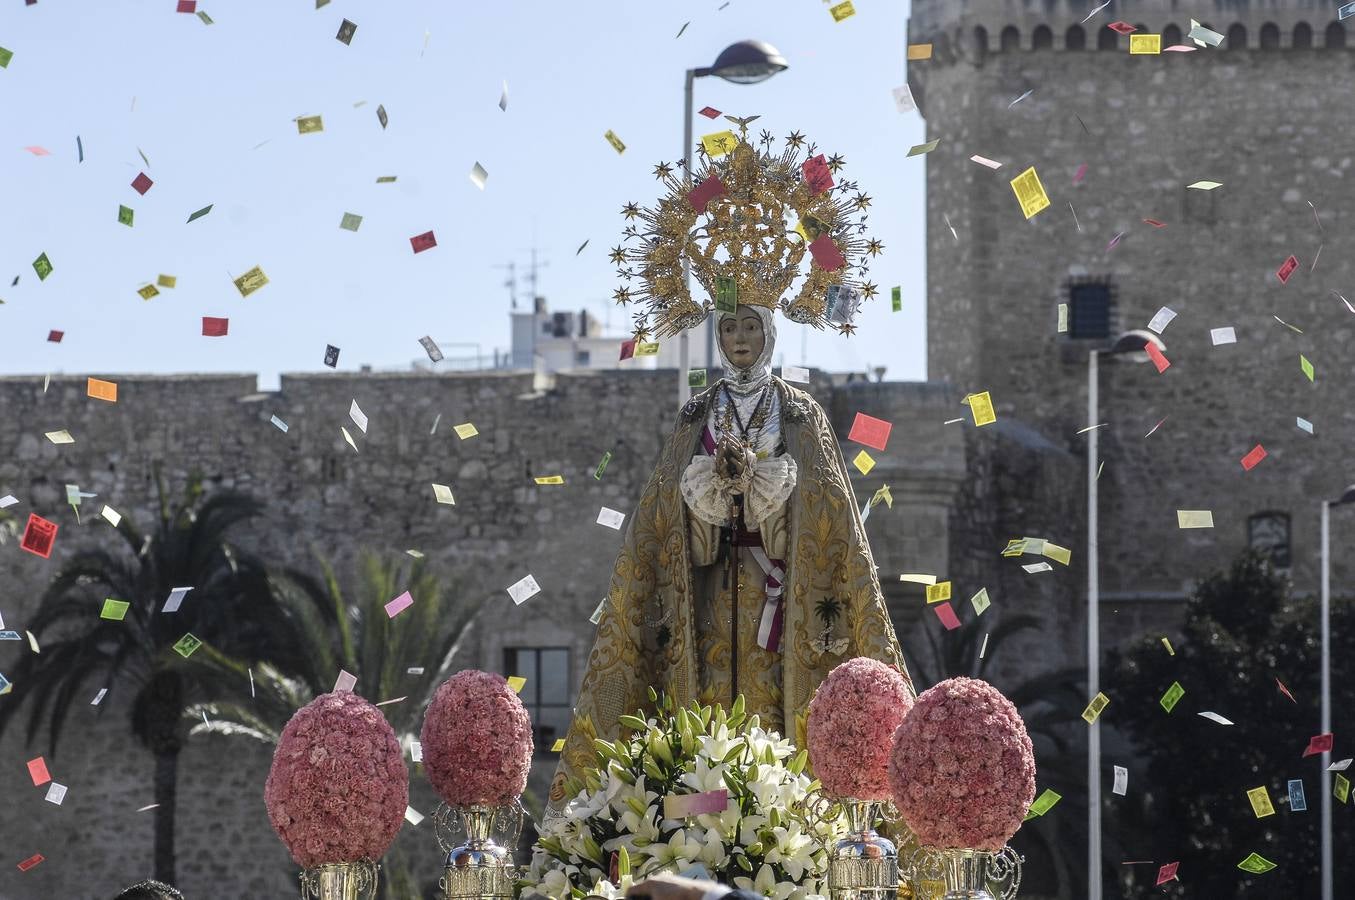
x=773, y=480
x=701, y=490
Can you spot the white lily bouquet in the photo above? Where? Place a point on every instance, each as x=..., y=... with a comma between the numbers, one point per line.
x=642, y=811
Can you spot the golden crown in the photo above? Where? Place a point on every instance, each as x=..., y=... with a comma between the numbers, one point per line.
x=732, y=223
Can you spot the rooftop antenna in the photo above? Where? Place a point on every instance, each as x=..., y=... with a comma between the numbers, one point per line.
x=512, y=282
x=532, y=274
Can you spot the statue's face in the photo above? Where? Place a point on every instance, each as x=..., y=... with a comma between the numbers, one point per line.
x=742, y=338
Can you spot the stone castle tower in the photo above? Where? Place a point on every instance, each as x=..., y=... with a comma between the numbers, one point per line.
x=1265, y=114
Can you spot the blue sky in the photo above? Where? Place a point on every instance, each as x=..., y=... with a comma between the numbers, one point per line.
x=199, y=100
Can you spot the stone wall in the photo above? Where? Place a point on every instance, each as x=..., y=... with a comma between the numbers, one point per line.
x=322, y=497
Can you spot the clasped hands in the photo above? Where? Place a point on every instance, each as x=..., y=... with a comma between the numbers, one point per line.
x=734, y=464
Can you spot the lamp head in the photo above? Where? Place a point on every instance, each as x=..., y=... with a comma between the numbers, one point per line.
x=748, y=62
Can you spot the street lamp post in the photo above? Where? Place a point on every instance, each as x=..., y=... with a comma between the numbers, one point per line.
x=745, y=62
x=1128, y=343
x=1347, y=497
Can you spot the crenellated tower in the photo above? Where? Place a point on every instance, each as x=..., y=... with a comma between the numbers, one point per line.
x=1116, y=139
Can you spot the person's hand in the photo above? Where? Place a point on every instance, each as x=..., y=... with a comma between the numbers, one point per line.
x=671, y=887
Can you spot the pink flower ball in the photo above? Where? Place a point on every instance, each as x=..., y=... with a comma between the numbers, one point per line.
x=963, y=768
x=338, y=788
x=477, y=740
x=852, y=720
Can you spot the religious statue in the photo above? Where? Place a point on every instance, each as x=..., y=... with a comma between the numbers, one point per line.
x=745, y=568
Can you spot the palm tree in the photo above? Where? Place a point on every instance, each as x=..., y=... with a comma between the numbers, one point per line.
x=229, y=606
x=404, y=658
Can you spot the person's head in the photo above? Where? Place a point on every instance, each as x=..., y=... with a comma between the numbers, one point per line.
x=150, y=890
x=743, y=337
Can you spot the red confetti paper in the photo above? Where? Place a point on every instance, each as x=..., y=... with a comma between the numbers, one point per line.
x=37, y=770
x=1284, y=690
x=55, y=336
x=1257, y=454
x=422, y=242
x=627, y=349
x=142, y=184
x=705, y=192
x=1287, y=269
x=1167, y=873
x=826, y=254
x=870, y=431
x=39, y=535
x=817, y=175
x=1157, y=357
x=1155, y=223
x=1080, y=173
x=1122, y=28
x=1318, y=743
x=187, y=6
x=947, y=616
x=36, y=857
x=215, y=327
x=710, y=112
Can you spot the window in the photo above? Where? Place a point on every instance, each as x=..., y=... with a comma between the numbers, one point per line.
x=980, y=41
x=1336, y=36
x=1268, y=534
x=1270, y=36
x=1237, y=37
x=1107, y=39
x=1302, y=36
x=1042, y=38
x=547, y=691
x=1010, y=39
x=1075, y=38
x=1089, y=310
x=581, y=357
x=1171, y=36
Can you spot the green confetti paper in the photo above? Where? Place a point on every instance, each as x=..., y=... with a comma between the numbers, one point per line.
x=696, y=378
x=1043, y=804
x=43, y=266
x=5, y=57
x=186, y=645
x=125, y=215
x=602, y=466
x=1256, y=864
x=114, y=610
x=1306, y=366
x=1174, y=694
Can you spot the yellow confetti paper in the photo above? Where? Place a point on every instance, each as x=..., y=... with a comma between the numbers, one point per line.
x=843, y=10
x=1140, y=44
x=1260, y=802
x=251, y=281
x=1194, y=518
x=558, y=745
x=1094, y=708
x=167, y=281
x=981, y=405
x=465, y=431
x=517, y=683
x=615, y=141
x=148, y=291
x=309, y=124
x=1029, y=192
x=1168, y=644
x=938, y=592
x=647, y=348
x=1342, y=789
x=1057, y=553
x=863, y=463
x=919, y=51
x=550, y=479
x=883, y=494
x=719, y=143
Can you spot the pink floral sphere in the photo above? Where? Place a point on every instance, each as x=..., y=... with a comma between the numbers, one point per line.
x=338, y=788
x=477, y=740
x=850, y=732
x=963, y=768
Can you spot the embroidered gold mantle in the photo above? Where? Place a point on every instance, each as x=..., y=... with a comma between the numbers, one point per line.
x=653, y=629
